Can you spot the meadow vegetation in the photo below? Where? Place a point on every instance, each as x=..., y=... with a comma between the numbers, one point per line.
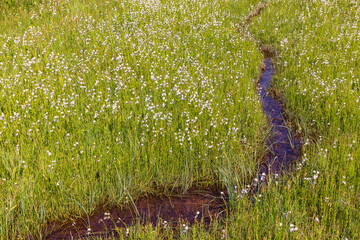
x=109, y=100
x=104, y=101
x=318, y=79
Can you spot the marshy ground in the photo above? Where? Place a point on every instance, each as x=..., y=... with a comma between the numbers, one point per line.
x=202, y=204
x=103, y=103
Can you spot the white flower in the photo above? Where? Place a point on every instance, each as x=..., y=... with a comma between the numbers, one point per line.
x=185, y=228
x=293, y=228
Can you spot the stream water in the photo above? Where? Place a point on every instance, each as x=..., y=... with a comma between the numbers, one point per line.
x=284, y=144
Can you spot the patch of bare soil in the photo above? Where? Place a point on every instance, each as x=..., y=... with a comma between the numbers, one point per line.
x=255, y=12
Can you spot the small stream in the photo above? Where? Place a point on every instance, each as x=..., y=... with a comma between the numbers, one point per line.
x=284, y=144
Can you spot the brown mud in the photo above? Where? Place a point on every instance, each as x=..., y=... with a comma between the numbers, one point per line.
x=195, y=206
x=204, y=204
x=255, y=12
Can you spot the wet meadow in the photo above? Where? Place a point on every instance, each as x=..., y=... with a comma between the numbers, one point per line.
x=104, y=102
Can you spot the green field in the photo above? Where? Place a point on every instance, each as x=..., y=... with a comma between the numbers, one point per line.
x=110, y=100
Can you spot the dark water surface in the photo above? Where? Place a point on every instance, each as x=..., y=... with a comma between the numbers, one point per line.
x=285, y=145
x=205, y=203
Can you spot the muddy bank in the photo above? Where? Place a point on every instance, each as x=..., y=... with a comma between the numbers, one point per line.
x=204, y=204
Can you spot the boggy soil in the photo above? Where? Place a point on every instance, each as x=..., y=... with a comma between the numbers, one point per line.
x=199, y=204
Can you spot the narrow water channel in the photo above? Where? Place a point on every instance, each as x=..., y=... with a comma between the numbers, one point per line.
x=284, y=144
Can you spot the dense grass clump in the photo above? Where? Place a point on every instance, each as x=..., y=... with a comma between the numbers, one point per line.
x=108, y=100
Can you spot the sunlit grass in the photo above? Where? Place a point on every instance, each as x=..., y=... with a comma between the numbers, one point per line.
x=105, y=100
x=318, y=78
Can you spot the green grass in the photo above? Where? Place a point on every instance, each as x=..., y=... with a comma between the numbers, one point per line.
x=317, y=77
x=146, y=70
x=104, y=100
